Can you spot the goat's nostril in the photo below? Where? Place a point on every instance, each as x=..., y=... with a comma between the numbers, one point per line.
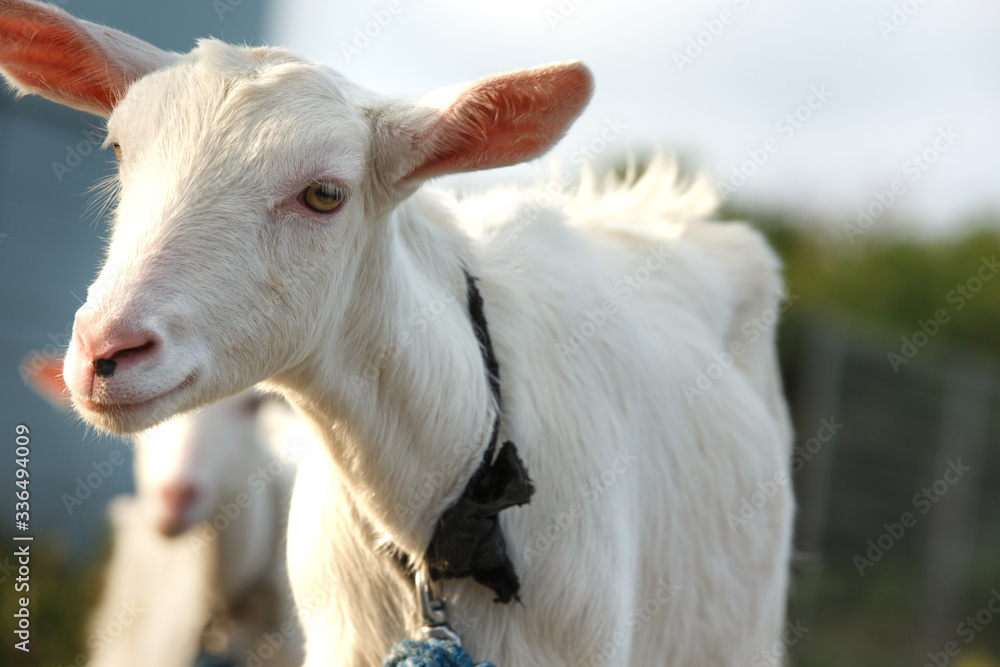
x=132, y=351
x=104, y=368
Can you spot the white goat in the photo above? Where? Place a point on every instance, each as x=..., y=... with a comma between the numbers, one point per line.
x=271, y=226
x=198, y=555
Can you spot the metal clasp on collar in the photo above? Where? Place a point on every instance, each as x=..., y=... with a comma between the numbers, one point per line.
x=432, y=608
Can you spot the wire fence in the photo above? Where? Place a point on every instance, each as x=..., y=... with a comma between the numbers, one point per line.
x=898, y=528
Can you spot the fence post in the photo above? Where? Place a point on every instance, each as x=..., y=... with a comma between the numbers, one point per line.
x=818, y=390
x=951, y=523
x=818, y=396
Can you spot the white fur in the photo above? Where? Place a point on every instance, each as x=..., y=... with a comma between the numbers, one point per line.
x=157, y=598
x=223, y=589
x=663, y=521
x=359, y=318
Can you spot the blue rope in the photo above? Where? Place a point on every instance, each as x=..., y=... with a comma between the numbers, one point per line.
x=430, y=653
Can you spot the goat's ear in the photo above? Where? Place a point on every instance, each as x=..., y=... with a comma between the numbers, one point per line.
x=495, y=121
x=45, y=51
x=44, y=374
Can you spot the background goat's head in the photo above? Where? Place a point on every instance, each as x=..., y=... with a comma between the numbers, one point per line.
x=188, y=467
x=254, y=198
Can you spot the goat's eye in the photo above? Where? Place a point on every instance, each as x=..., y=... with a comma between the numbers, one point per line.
x=323, y=197
x=117, y=148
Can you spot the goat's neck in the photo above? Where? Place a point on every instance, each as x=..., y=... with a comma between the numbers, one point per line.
x=406, y=423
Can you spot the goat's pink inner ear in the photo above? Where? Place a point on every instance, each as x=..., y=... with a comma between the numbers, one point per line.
x=505, y=119
x=45, y=51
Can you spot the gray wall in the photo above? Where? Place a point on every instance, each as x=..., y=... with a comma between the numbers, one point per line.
x=50, y=250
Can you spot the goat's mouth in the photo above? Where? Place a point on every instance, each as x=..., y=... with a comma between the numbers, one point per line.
x=124, y=416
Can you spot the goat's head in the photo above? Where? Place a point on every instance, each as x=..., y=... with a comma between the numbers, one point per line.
x=195, y=466
x=253, y=194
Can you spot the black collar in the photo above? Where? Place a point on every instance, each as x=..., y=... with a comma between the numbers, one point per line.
x=467, y=540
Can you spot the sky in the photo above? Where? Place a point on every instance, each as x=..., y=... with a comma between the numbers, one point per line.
x=832, y=103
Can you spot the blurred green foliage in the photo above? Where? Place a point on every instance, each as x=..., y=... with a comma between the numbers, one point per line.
x=883, y=286
x=62, y=594
x=890, y=282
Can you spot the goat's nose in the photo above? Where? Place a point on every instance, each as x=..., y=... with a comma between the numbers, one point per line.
x=178, y=497
x=110, y=346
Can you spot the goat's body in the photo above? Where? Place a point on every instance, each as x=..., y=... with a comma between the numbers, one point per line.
x=271, y=228
x=258, y=617
x=221, y=584
x=157, y=598
x=167, y=599
x=628, y=546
